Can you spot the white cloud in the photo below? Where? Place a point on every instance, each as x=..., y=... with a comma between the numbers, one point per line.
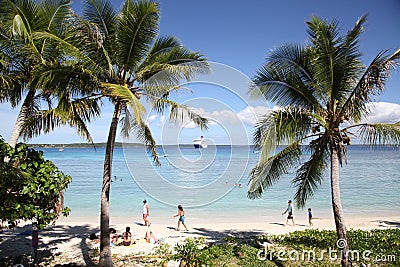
x=250, y=115
x=383, y=112
x=151, y=118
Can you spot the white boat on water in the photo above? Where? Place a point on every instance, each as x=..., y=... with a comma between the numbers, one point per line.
x=200, y=142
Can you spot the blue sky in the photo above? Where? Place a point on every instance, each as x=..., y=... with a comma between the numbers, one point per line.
x=239, y=35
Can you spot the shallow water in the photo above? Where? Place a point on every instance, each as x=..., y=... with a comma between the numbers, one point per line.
x=203, y=182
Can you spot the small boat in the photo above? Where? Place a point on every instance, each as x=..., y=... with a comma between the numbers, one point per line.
x=61, y=149
x=200, y=143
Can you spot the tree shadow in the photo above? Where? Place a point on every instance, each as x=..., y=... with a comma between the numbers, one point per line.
x=281, y=224
x=389, y=224
x=248, y=237
x=18, y=243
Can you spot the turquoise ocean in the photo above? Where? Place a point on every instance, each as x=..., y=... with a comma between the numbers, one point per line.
x=204, y=181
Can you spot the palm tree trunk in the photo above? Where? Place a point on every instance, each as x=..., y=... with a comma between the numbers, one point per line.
x=23, y=114
x=343, y=244
x=105, y=250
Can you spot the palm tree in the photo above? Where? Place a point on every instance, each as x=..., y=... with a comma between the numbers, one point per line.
x=121, y=57
x=24, y=54
x=323, y=91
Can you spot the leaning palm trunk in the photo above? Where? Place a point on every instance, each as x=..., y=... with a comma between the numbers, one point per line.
x=22, y=116
x=105, y=250
x=338, y=211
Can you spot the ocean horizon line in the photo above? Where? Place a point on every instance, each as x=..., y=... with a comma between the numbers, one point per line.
x=126, y=144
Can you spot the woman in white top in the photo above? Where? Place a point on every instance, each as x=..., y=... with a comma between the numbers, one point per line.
x=146, y=213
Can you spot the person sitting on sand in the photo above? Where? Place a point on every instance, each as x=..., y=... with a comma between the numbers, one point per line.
x=181, y=214
x=93, y=238
x=151, y=238
x=113, y=236
x=127, y=236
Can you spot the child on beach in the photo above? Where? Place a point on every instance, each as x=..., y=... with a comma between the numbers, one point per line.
x=113, y=236
x=181, y=214
x=310, y=217
x=289, y=210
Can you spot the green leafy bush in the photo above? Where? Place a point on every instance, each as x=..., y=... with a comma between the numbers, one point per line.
x=30, y=186
x=191, y=252
x=380, y=246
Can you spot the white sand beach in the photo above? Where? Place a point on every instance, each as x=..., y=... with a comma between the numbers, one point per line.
x=69, y=242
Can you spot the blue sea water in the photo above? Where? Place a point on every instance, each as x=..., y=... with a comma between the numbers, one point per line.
x=204, y=180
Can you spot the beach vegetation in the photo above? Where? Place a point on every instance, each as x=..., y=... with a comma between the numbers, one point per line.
x=323, y=92
x=191, y=252
x=32, y=42
x=31, y=188
x=293, y=249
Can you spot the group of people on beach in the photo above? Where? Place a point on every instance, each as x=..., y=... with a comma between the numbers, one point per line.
x=146, y=214
x=127, y=237
x=149, y=236
x=289, y=211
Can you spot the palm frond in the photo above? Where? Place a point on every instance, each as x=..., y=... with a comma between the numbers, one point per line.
x=269, y=170
x=169, y=55
x=137, y=29
x=144, y=135
x=102, y=14
x=347, y=63
x=58, y=78
x=380, y=133
x=73, y=52
x=76, y=113
x=324, y=38
x=178, y=113
x=371, y=84
x=311, y=173
x=53, y=13
x=284, y=126
x=286, y=78
x=130, y=99
x=88, y=38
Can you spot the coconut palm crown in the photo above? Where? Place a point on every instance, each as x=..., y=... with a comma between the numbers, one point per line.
x=323, y=92
x=25, y=54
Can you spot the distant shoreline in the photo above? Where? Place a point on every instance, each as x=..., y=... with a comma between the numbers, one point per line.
x=120, y=145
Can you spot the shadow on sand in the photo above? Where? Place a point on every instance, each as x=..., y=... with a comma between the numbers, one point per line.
x=389, y=224
x=18, y=243
x=238, y=234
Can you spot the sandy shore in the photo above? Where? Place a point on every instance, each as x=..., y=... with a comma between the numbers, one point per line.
x=69, y=240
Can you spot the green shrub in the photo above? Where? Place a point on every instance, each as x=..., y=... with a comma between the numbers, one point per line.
x=192, y=252
x=30, y=186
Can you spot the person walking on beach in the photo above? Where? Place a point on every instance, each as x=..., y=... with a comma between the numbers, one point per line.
x=146, y=213
x=310, y=217
x=181, y=214
x=289, y=210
